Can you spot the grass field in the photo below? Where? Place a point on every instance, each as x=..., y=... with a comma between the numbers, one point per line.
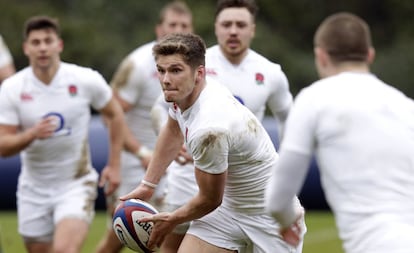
x=321, y=237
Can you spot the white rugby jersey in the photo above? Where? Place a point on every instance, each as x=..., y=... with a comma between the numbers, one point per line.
x=362, y=131
x=137, y=83
x=255, y=82
x=5, y=56
x=221, y=135
x=181, y=180
x=24, y=100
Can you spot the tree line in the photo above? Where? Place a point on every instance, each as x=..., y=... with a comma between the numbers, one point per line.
x=99, y=33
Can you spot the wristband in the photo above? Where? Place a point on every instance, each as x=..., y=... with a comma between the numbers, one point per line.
x=149, y=184
x=143, y=152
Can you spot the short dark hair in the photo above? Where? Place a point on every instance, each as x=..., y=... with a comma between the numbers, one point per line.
x=250, y=5
x=40, y=22
x=345, y=37
x=179, y=7
x=190, y=46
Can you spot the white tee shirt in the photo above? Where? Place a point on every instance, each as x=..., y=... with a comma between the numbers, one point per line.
x=255, y=82
x=137, y=83
x=221, y=134
x=5, y=56
x=24, y=100
x=362, y=132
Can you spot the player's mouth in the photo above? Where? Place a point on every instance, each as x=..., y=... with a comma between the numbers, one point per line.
x=233, y=43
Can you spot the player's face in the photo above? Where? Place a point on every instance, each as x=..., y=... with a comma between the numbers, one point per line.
x=174, y=23
x=43, y=48
x=177, y=79
x=234, y=30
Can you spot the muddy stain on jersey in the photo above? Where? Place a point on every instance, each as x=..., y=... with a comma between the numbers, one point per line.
x=122, y=74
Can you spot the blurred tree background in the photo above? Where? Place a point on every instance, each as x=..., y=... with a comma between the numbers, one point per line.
x=99, y=33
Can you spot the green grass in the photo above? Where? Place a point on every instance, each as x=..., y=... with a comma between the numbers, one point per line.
x=321, y=236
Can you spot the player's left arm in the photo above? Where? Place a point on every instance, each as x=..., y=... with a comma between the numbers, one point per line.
x=281, y=201
x=280, y=101
x=114, y=116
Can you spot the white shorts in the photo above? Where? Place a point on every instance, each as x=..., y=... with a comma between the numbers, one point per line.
x=41, y=208
x=242, y=232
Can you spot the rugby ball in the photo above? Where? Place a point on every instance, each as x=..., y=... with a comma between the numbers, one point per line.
x=127, y=227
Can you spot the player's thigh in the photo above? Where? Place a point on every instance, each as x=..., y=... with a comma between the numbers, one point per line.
x=171, y=243
x=70, y=234
x=77, y=199
x=34, y=210
x=191, y=244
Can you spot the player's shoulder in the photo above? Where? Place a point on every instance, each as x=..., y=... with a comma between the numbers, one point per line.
x=80, y=74
x=16, y=80
x=213, y=50
x=78, y=71
x=217, y=102
x=254, y=57
x=321, y=91
x=143, y=52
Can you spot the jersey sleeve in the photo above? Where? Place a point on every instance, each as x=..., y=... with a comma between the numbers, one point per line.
x=5, y=56
x=127, y=81
x=9, y=114
x=300, y=128
x=280, y=100
x=101, y=92
x=210, y=150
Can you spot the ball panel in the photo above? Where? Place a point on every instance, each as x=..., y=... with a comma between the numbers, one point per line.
x=129, y=230
x=124, y=236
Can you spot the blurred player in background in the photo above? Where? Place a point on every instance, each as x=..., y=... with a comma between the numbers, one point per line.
x=232, y=152
x=136, y=86
x=45, y=114
x=362, y=132
x=6, y=61
x=254, y=80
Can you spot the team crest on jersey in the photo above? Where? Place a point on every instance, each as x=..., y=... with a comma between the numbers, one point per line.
x=259, y=78
x=73, y=90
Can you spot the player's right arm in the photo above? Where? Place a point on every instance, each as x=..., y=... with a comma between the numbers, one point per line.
x=13, y=141
x=166, y=149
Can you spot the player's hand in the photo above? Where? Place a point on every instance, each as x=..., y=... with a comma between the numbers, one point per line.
x=110, y=178
x=43, y=129
x=162, y=227
x=183, y=156
x=293, y=234
x=142, y=192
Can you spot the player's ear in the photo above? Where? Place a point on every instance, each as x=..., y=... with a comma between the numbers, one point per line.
x=371, y=55
x=199, y=73
x=61, y=45
x=321, y=56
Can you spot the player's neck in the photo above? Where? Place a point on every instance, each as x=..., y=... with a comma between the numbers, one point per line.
x=46, y=74
x=351, y=67
x=192, y=98
x=235, y=59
